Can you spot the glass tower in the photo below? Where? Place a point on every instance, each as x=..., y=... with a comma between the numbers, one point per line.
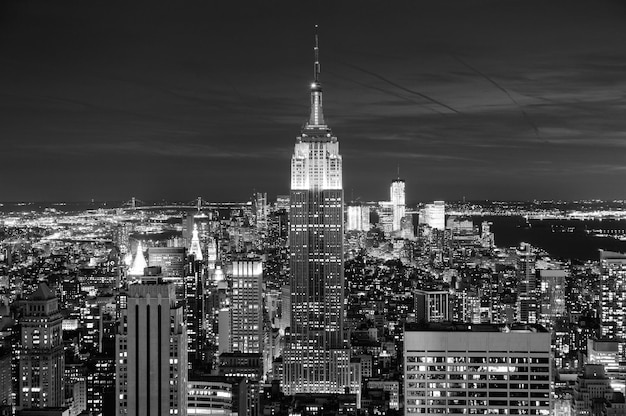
x=315, y=360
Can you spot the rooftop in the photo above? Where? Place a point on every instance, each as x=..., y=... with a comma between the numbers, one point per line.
x=465, y=327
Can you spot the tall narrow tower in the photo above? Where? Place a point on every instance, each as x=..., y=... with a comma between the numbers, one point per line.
x=315, y=360
x=398, y=202
x=42, y=359
x=151, y=374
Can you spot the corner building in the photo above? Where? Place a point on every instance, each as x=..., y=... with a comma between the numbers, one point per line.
x=477, y=369
x=315, y=358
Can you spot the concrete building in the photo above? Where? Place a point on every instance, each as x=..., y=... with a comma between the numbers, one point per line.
x=246, y=334
x=42, y=356
x=210, y=395
x=151, y=372
x=432, y=306
x=476, y=368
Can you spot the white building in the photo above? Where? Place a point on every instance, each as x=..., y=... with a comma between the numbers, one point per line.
x=435, y=215
x=398, y=202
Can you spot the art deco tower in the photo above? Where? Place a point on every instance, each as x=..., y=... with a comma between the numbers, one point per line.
x=314, y=358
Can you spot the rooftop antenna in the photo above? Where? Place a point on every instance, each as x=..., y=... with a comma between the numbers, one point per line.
x=316, y=49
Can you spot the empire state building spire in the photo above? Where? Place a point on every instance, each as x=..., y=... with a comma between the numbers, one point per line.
x=317, y=115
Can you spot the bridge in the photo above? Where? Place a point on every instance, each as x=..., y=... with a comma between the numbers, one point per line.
x=199, y=204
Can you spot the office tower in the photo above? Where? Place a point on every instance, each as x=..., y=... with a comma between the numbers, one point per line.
x=435, y=215
x=210, y=395
x=476, y=369
x=151, y=374
x=42, y=357
x=246, y=334
x=613, y=294
x=358, y=218
x=527, y=291
x=194, y=317
x=171, y=260
x=385, y=217
x=314, y=358
x=398, y=202
x=261, y=210
x=432, y=306
x=139, y=262
x=195, y=249
x=551, y=296
x=353, y=222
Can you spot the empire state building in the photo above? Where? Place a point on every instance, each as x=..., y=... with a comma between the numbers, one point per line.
x=315, y=358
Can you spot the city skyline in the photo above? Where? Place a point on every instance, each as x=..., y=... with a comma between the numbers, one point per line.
x=471, y=99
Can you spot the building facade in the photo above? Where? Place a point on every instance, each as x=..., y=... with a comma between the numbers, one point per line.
x=151, y=372
x=246, y=334
x=398, y=202
x=315, y=360
x=477, y=369
x=613, y=294
x=42, y=356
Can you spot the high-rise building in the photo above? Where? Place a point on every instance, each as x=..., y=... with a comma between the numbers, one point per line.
x=246, y=333
x=398, y=202
x=358, y=218
x=527, y=290
x=42, y=357
x=476, y=369
x=551, y=296
x=613, y=294
x=314, y=359
x=261, y=210
x=151, y=373
x=435, y=215
x=432, y=306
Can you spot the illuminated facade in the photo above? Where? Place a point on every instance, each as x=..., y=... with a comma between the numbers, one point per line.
x=613, y=294
x=315, y=360
x=139, y=262
x=398, y=202
x=194, y=248
x=246, y=334
x=42, y=358
x=435, y=215
x=477, y=369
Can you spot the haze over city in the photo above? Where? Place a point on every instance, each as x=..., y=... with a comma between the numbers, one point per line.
x=168, y=100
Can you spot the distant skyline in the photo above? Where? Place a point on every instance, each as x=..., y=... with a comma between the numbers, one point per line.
x=485, y=99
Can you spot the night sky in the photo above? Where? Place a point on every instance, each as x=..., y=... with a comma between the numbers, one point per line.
x=501, y=99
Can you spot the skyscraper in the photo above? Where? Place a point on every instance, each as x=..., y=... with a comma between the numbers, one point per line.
x=247, y=307
x=314, y=358
x=477, y=369
x=398, y=202
x=42, y=358
x=613, y=294
x=151, y=374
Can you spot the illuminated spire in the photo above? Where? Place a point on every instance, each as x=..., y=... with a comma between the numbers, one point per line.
x=139, y=263
x=317, y=116
x=195, y=244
